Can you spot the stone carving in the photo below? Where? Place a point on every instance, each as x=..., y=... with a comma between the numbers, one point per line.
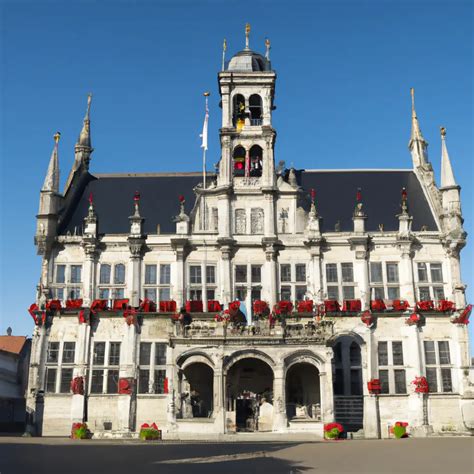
x=256, y=221
x=240, y=221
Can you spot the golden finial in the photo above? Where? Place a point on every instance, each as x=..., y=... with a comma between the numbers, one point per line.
x=207, y=94
x=247, y=33
x=443, y=131
x=224, y=45
x=56, y=137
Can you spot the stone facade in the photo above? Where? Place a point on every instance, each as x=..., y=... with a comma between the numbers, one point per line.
x=254, y=233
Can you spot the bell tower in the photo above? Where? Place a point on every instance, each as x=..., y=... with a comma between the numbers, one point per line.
x=247, y=87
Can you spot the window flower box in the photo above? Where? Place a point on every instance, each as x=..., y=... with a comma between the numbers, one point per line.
x=74, y=304
x=331, y=306
x=445, y=306
x=147, y=306
x=194, y=306
x=213, y=305
x=400, y=305
x=168, y=306
x=351, y=306
x=98, y=305
x=305, y=306
x=425, y=305
x=283, y=308
x=374, y=386
x=463, y=317
x=260, y=309
x=53, y=306
x=120, y=305
x=378, y=305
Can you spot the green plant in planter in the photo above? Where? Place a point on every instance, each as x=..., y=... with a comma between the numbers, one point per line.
x=399, y=430
x=149, y=433
x=79, y=431
x=333, y=430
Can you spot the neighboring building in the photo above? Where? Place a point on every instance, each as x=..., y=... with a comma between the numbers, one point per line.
x=14, y=363
x=251, y=232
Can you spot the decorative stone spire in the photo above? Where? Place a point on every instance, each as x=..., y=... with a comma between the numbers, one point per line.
x=359, y=215
x=313, y=227
x=182, y=219
x=447, y=175
x=85, y=135
x=404, y=219
x=267, y=49
x=90, y=221
x=136, y=220
x=51, y=181
x=417, y=144
x=415, y=126
x=247, y=34
x=292, y=181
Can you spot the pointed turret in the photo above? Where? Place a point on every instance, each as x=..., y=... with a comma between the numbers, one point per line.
x=417, y=144
x=447, y=175
x=84, y=139
x=51, y=181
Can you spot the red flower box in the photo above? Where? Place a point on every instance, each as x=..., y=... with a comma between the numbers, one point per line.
x=194, y=306
x=421, y=385
x=74, y=304
x=120, y=305
x=425, y=305
x=147, y=306
x=213, y=305
x=285, y=307
x=444, y=306
x=234, y=307
x=400, y=305
x=53, y=305
x=463, y=318
x=374, y=386
x=378, y=305
x=260, y=308
x=98, y=305
x=305, y=306
x=331, y=306
x=167, y=306
x=352, y=306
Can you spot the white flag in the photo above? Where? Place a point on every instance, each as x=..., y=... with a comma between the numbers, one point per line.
x=204, y=128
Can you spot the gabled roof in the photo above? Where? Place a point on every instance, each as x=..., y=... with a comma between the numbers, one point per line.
x=335, y=197
x=12, y=344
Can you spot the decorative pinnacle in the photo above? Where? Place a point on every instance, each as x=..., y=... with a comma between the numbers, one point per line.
x=56, y=137
x=224, y=45
x=247, y=34
x=267, y=51
x=91, y=214
x=404, y=203
x=443, y=132
x=206, y=94
x=358, y=212
x=91, y=199
x=412, y=92
x=136, y=201
x=313, y=194
x=359, y=195
x=136, y=196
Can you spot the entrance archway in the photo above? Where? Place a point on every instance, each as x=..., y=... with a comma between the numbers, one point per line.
x=303, y=394
x=249, y=393
x=196, y=390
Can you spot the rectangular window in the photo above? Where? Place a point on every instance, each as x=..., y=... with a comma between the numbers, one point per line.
x=422, y=272
x=300, y=292
x=150, y=293
x=443, y=349
x=400, y=381
x=53, y=352
x=286, y=293
x=65, y=383
x=76, y=273
x=51, y=380
x=165, y=274
x=285, y=272
x=119, y=274
x=241, y=273
x=393, y=293
x=210, y=274
x=424, y=292
x=159, y=383
x=99, y=353
x=118, y=293
x=376, y=272
x=392, y=272
x=60, y=273
x=436, y=273
x=446, y=380
x=104, y=274
x=241, y=294
x=104, y=293
x=347, y=272
x=331, y=273
x=432, y=379
x=160, y=353
x=383, y=377
x=150, y=274
x=383, y=353
x=114, y=353
x=165, y=294
x=195, y=274
x=397, y=352
x=112, y=380
x=60, y=293
x=256, y=294
x=97, y=381
x=256, y=273
x=348, y=292
x=438, y=292
x=69, y=350
x=300, y=272
x=143, y=381
x=145, y=353
x=211, y=295
x=378, y=293
x=333, y=293
x=430, y=353
x=195, y=295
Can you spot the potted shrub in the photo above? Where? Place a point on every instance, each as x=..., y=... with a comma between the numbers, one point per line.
x=333, y=430
x=399, y=430
x=149, y=432
x=80, y=431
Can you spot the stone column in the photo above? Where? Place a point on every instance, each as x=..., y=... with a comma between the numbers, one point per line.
x=180, y=248
x=407, y=286
x=90, y=268
x=326, y=387
x=280, y=422
x=269, y=218
x=224, y=209
x=172, y=389
x=135, y=269
x=314, y=271
x=226, y=247
x=218, y=403
x=79, y=373
x=271, y=254
x=371, y=408
x=361, y=271
x=458, y=288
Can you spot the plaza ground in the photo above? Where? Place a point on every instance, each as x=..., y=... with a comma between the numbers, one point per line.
x=58, y=455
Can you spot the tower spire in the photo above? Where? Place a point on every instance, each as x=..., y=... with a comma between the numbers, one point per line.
x=85, y=135
x=447, y=175
x=51, y=181
x=247, y=34
x=415, y=126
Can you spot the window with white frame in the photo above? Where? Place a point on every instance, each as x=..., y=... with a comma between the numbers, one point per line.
x=340, y=281
x=384, y=281
x=157, y=282
x=391, y=366
x=111, y=281
x=59, y=366
x=248, y=279
x=196, y=281
x=430, y=282
x=438, y=366
x=104, y=375
x=152, y=367
x=292, y=281
x=67, y=281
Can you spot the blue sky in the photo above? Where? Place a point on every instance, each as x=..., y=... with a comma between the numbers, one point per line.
x=344, y=74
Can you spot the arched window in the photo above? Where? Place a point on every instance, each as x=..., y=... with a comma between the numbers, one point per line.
x=255, y=106
x=119, y=274
x=239, y=161
x=240, y=221
x=256, y=161
x=238, y=111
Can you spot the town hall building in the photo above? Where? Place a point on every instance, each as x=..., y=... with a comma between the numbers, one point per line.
x=309, y=296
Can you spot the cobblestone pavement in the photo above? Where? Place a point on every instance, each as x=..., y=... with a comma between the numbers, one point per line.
x=58, y=455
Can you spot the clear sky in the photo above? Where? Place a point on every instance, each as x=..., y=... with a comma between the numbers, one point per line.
x=344, y=74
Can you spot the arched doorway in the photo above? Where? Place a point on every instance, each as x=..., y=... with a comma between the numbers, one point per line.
x=196, y=382
x=347, y=378
x=249, y=393
x=303, y=394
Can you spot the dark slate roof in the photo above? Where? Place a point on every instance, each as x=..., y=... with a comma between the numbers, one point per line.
x=335, y=196
x=381, y=193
